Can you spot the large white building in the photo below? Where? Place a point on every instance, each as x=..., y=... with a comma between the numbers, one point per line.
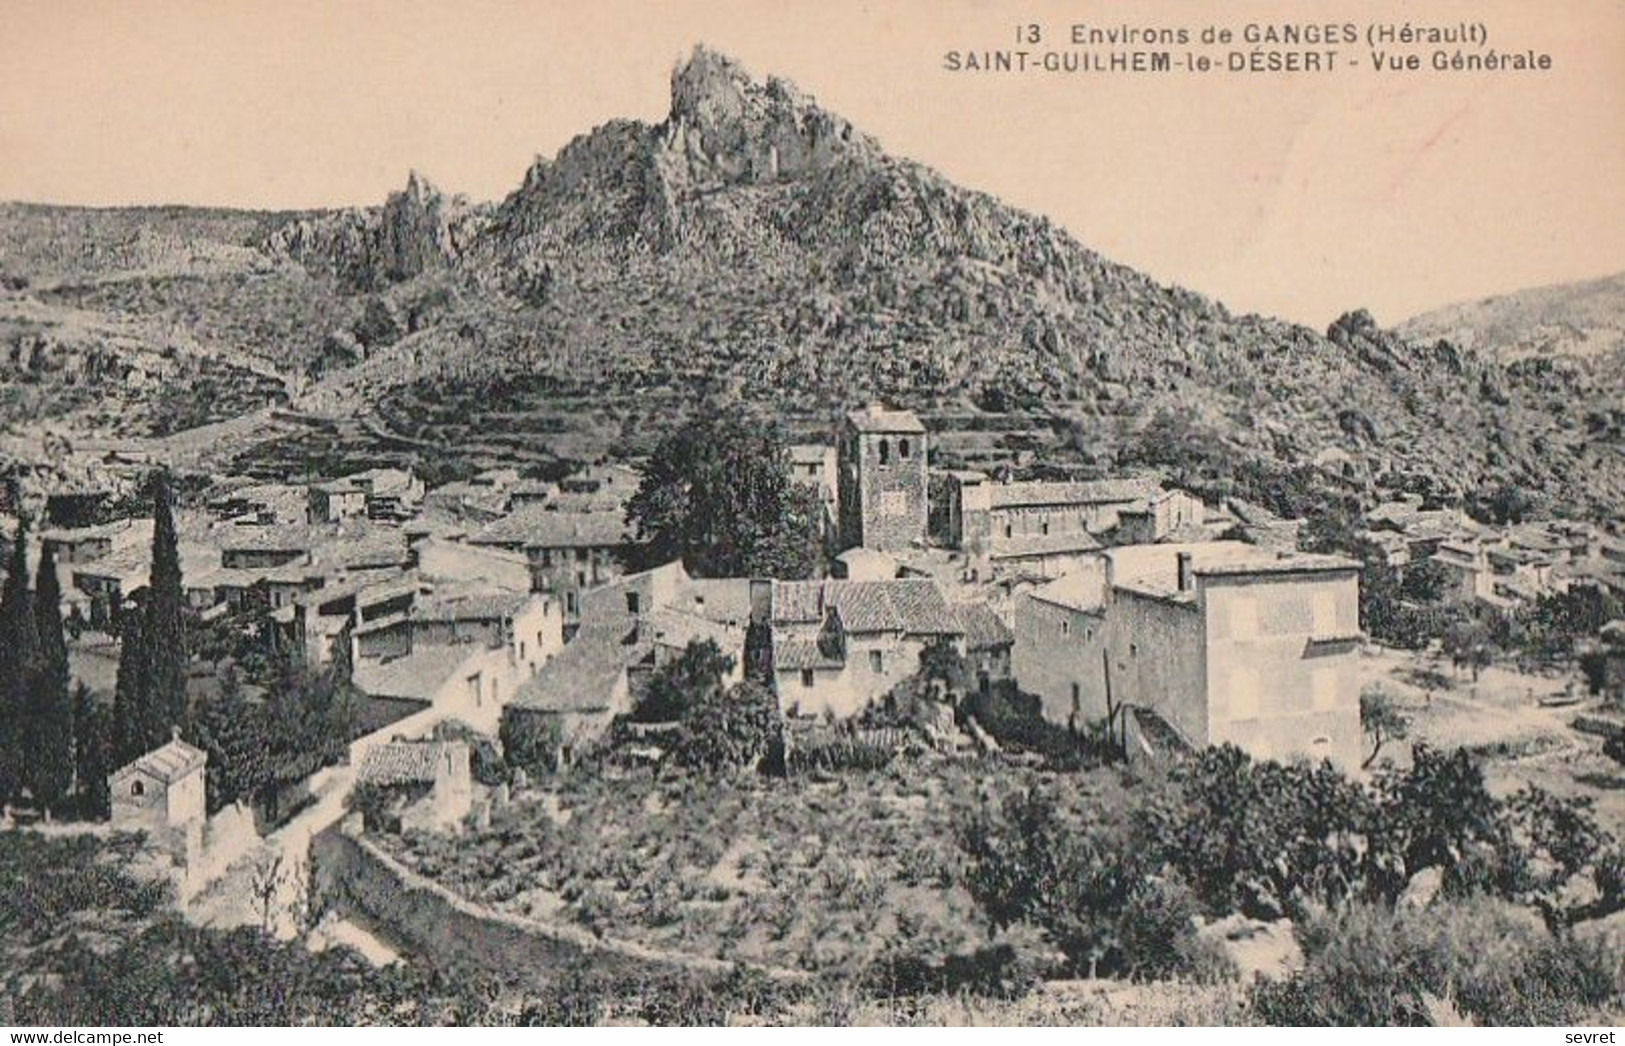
x=1221, y=641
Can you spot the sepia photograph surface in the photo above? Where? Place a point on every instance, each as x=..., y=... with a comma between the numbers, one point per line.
x=717, y=512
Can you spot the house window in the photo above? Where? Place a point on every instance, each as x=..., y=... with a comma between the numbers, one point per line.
x=632, y=603
x=1066, y=626
x=877, y=663
x=138, y=788
x=902, y=449
x=807, y=677
x=1077, y=699
x=571, y=603
x=521, y=650
x=1009, y=531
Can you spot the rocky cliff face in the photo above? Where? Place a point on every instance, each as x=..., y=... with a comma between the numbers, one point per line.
x=417, y=230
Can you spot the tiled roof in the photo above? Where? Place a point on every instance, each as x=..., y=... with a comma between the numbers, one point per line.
x=133, y=529
x=1099, y=492
x=168, y=763
x=406, y=762
x=1026, y=545
x=1079, y=590
x=982, y=627
x=268, y=538
x=540, y=527
x=795, y=655
x=483, y=604
x=678, y=629
x=583, y=676
x=909, y=605
x=876, y=419
x=418, y=676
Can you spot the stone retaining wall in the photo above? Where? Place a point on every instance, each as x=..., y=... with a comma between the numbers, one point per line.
x=446, y=929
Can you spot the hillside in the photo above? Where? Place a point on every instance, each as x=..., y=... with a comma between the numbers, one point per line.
x=754, y=244
x=1569, y=319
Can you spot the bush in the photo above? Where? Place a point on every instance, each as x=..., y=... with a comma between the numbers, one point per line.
x=735, y=730
x=1004, y=970
x=1013, y=719
x=1368, y=965
x=1075, y=867
x=529, y=742
x=1258, y=837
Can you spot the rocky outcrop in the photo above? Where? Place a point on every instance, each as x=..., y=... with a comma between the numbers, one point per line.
x=727, y=129
x=417, y=230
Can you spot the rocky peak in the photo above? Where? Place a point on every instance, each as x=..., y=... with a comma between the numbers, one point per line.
x=727, y=128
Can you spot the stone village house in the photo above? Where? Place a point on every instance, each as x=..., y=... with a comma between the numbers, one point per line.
x=1219, y=641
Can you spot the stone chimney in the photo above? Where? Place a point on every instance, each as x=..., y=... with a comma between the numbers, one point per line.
x=1187, y=573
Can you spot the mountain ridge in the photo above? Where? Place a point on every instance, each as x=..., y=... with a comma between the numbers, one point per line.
x=1577, y=318
x=754, y=242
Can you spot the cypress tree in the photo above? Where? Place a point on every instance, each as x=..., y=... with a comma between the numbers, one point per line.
x=19, y=655
x=50, y=725
x=163, y=631
x=92, y=744
x=129, y=732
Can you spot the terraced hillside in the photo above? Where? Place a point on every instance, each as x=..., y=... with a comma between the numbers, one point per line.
x=754, y=244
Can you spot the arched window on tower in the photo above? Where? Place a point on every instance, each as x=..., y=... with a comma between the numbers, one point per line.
x=885, y=451
x=902, y=449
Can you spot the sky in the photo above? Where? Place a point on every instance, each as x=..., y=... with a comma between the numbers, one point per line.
x=1300, y=196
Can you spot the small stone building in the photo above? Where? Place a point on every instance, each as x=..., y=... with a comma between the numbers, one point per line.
x=427, y=784
x=162, y=794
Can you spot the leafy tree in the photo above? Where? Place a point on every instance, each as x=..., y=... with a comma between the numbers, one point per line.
x=1507, y=503
x=1080, y=873
x=717, y=494
x=310, y=719
x=50, y=721
x=1564, y=846
x=237, y=735
x=693, y=676
x=733, y=730
x=946, y=672
x=19, y=665
x=1424, y=582
x=1440, y=815
x=1381, y=721
x=1261, y=838
x=1468, y=641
